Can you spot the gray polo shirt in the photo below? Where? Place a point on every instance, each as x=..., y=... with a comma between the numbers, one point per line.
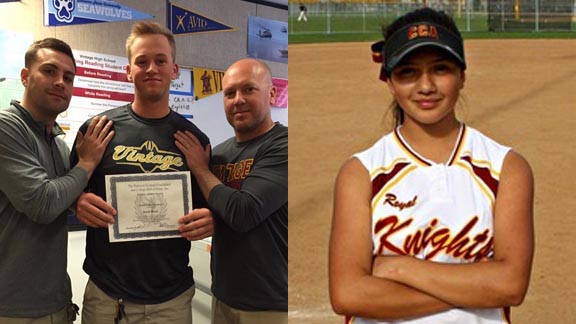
x=36, y=188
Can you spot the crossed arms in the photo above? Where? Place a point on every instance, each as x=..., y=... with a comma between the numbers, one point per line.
x=402, y=287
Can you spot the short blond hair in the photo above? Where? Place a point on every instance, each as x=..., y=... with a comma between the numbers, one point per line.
x=142, y=28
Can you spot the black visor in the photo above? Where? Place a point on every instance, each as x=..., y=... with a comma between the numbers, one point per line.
x=405, y=40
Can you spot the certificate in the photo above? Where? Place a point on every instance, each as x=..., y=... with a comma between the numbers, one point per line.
x=148, y=205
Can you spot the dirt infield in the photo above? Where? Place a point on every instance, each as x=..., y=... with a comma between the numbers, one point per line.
x=520, y=92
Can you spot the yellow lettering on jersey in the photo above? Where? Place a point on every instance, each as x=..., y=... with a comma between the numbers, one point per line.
x=147, y=153
x=239, y=170
x=219, y=171
x=247, y=167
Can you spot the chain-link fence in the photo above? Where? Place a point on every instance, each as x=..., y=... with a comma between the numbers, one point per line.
x=368, y=16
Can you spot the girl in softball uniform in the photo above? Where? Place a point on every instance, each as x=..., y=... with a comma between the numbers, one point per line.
x=433, y=223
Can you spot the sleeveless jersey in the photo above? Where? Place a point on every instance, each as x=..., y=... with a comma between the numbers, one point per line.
x=436, y=212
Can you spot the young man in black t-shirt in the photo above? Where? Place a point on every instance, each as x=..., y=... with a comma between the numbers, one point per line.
x=147, y=279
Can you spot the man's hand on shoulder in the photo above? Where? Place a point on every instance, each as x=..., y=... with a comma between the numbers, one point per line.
x=90, y=146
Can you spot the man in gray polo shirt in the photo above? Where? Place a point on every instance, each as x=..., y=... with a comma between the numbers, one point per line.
x=37, y=186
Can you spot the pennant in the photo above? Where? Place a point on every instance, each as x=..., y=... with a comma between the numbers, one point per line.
x=207, y=82
x=184, y=21
x=75, y=12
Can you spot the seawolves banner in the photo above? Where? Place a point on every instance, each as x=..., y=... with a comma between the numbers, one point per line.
x=74, y=12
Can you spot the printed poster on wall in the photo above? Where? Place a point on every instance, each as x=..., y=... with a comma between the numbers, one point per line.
x=100, y=84
x=268, y=39
x=75, y=12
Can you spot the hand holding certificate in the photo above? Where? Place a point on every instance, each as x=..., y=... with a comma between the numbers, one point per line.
x=148, y=205
x=197, y=225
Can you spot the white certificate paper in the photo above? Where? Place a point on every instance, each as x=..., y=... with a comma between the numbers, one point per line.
x=148, y=205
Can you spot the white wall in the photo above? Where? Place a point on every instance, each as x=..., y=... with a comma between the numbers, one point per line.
x=76, y=253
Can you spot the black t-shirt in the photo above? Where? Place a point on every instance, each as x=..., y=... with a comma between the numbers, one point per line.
x=150, y=271
x=250, y=243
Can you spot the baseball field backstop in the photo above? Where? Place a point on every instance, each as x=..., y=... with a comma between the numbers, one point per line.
x=367, y=16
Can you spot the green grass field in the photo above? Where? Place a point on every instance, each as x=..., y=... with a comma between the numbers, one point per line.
x=348, y=27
